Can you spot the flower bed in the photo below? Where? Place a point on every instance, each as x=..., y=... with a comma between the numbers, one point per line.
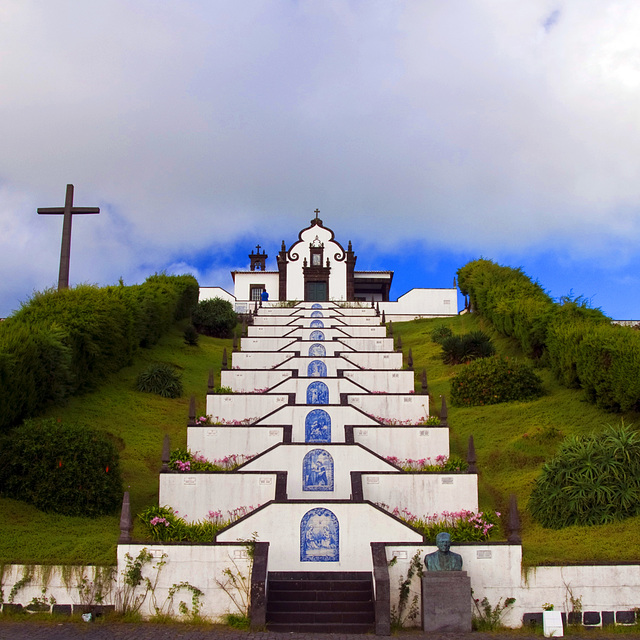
x=186, y=462
x=442, y=464
x=462, y=526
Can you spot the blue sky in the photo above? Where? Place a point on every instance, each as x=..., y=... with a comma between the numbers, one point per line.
x=428, y=133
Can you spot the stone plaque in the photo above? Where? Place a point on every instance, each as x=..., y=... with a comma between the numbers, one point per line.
x=446, y=480
x=483, y=555
x=190, y=480
x=446, y=602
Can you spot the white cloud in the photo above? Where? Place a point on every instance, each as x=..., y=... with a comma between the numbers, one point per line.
x=477, y=125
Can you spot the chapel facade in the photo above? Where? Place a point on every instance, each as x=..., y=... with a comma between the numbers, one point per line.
x=315, y=268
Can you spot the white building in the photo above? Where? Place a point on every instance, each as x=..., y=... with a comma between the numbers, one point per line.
x=317, y=268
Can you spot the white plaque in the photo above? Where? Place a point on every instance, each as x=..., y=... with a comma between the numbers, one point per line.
x=447, y=480
x=483, y=555
x=190, y=480
x=266, y=480
x=212, y=432
x=373, y=480
x=274, y=432
x=363, y=432
x=424, y=432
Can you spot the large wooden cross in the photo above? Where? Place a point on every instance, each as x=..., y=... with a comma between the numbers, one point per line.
x=67, y=211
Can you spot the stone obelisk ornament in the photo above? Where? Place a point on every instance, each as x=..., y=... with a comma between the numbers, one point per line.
x=67, y=211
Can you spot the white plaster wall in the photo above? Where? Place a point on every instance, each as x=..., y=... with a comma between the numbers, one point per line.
x=271, y=331
x=422, y=302
x=215, y=442
x=338, y=274
x=208, y=293
x=299, y=386
x=366, y=331
x=295, y=415
x=346, y=458
x=375, y=360
x=202, y=566
x=386, y=381
x=423, y=494
x=405, y=442
x=414, y=408
x=362, y=321
x=369, y=344
x=255, y=360
x=331, y=347
x=250, y=380
x=194, y=495
x=264, y=344
x=52, y=580
x=243, y=406
x=267, y=319
x=360, y=524
x=333, y=365
x=243, y=281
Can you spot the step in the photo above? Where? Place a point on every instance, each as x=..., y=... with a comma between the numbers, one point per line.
x=304, y=595
x=312, y=627
x=288, y=605
x=324, y=617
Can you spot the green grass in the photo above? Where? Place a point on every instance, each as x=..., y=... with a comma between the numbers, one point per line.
x=513, y=439
x=508, y=461
x=137, y=422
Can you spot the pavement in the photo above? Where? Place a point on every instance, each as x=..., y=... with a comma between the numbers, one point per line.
x=36, y=630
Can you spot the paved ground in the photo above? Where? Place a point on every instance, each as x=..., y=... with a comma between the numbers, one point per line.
x=31, y=630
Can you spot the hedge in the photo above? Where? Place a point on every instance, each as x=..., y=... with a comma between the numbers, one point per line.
x=579, y=343
x=61, y=343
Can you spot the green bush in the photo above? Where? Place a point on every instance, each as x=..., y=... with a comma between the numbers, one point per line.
x=467, y=347
x=440, y=333
x=191, y=336
x=68, y=469
x=593, y=479
x=215, y=317
x=66, y=342
x=162, y=379
x=494, y=380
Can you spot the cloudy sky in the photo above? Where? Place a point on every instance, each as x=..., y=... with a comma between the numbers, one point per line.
x=429, y=133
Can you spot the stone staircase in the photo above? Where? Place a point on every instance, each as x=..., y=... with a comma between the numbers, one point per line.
x=320, y=602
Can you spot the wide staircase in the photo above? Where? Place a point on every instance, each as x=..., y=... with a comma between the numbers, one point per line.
x=320, y=602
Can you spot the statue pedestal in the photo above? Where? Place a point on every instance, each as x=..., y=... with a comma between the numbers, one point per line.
x=446, y=601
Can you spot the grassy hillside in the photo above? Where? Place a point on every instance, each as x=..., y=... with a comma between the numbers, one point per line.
x=513, y=439
x=137, y=422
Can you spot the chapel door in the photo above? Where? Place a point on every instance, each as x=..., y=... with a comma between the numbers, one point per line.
x=315, y=292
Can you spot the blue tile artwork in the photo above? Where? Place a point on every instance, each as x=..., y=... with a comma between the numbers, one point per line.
x=316, y=350
x=317, y=314
x=317, y=426
x=316, y=335
x=316, y=324
x=319, y=536
x=317, y=393
x=316, y=306
x=317, y=369
x=317, y=471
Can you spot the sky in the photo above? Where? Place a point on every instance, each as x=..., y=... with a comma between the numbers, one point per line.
x=429, y=133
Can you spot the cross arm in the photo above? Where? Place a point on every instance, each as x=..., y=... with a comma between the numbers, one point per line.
x=74, y=210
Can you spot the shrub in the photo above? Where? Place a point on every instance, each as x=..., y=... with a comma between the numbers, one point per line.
x=68, y=469
x=440, y=332
x=494, y=380
x=215, y=317
x=593, y=479
x=162, y=379
x=467, y=347
x=191, y=336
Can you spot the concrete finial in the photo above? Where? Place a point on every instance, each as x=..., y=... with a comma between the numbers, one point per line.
x=444, y=413
x=211, y=382
x=399, y=344
x=126, y=524
x=235, y=343
x=514, y=521
x=377, y=308
x=192, y=409
x=410, y=359
x=166, y=453
x=225, y=361
x=423, y=382
x=390, y=328
x=471, y=457
x=454, y=284
x=383, y=318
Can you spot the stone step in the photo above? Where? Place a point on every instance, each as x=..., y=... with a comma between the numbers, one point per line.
x=313, y=627
x=288, y=605
x=324, y=617
x=319, y=585
x=318, y=596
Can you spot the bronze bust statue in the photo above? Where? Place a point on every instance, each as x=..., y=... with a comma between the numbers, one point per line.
x=443, y=559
